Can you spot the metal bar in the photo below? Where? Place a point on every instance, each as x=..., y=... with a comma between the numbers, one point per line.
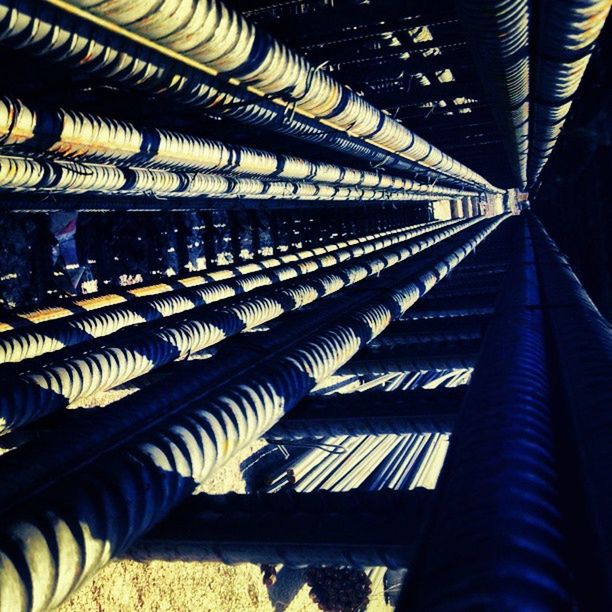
x=355, y=528
x=24, y=175
x=154, y=448
x=582, y=344
x=86, y=137
x=65, y=308
x=567, y=36
x=63, y=326
x=272, y=86
x=498, y=33
x=373, y=412
x=51, y=384
x=434, y=330
x=496, y=530
x=414, y=358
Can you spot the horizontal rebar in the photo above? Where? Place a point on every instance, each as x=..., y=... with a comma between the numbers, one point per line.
x=154, y=448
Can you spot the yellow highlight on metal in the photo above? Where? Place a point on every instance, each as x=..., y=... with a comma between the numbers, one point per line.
x=150, y=289
x=141, y=40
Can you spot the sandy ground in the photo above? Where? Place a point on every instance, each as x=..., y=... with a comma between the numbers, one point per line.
x=160, y=586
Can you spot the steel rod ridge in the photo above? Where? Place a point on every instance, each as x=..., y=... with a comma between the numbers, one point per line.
x=85, y=137
x=21, y=344
x=65, y=307
x=47, y=386
x=582, y=343
x=498, y=33
x=496, y=529
x=398, y=337
x=413, y=358
x=355, y=528
x=376, y=412
x=23, y=175
x=244, y=74
x=155, y=451
x=567, y=36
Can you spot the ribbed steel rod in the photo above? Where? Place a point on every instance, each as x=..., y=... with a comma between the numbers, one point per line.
x=313, y=475
x=154, y=448
x=338, y=471
x=24, y=175
x=206, y=55
x=398, y=337
x=431, y=466
x=359, y=464
x=319, y=455
x=52, y=385
x=432, y=328
x=496, y=532
x=371, y=413
x=414, y=358
x=567, y=35
x=582, y=340
x=86, y=137
x=449, y=313
x=54, y=335
x=67, y=307
x=369, y=462
x=498, y=32
x=409, y=456
x=383, y=475
x=445, y=307
x=354, y=528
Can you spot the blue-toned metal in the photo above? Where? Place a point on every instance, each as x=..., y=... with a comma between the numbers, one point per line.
x=582, y=340
x=470, y=304
x=31, y=393
x=449, y=312
x=498, y=32
x=495, y=537
x=367, y=462
x=67, y=307
x=372, y=413
x=355, y=528
x=64, y=517
x=433, y=330
x=567, y=35
x=217, y=59
x=54, y=335
x=85, y=137
x=422, y=356
x=23, y=175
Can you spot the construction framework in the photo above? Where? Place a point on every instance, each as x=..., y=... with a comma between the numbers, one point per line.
x=370, y=296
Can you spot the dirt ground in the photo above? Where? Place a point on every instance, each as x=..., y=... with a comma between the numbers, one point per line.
x=160, y=586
